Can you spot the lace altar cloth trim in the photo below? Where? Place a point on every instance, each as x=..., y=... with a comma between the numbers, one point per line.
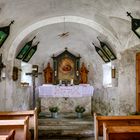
x=81, y=90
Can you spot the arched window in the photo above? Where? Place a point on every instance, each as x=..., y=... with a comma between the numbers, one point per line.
x=26, y=68
x=107, y=75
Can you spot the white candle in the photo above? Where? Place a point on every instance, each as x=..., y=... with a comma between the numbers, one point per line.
x=71, y=81
x=60, y=82
x=77, y=73
x=55, y=73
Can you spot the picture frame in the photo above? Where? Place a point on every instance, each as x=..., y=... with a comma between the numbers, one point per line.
x=23, y=51
x=4, y=33
x=65, y=67
x=103, y=55
x=109, y=52
x=30, y=53
x=21, y=54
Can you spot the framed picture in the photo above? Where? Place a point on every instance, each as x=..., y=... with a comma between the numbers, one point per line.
x=66, y=69
x=66, y=66
x=25, y=49
x=103, y=56
x=4, y=33
x=109, y=52
x=30, y=53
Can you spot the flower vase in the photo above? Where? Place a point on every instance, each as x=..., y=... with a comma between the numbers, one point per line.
x=54, y=114
x=79, y=115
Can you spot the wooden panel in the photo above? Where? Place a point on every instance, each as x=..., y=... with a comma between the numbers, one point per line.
x=138, y=82
x=121, y=132
x=113, y=120
x=32, y=114
x=20, y=126
x=9, y=136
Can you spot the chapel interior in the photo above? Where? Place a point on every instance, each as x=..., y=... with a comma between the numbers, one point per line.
x=64, y=54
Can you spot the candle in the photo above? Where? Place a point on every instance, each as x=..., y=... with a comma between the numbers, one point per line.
x=55, y=73
x=71, y=81
x=77, y=73
x=60, y=82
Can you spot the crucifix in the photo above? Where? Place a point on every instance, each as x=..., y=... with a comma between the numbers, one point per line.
x=1, y=65
x=34, y=75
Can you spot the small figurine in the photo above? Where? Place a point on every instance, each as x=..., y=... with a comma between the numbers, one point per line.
x=48, y=72
x=83, y=74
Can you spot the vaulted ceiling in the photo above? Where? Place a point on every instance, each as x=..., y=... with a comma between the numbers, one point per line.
x=83, y=19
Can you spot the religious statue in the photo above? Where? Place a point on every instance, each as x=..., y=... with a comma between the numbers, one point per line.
x=83, y=74
x=48, y=72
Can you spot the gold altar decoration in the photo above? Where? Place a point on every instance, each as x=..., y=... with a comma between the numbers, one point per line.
x=66, y=68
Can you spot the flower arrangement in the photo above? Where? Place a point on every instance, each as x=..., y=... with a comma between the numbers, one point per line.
x=54, y=109
x=80, y=109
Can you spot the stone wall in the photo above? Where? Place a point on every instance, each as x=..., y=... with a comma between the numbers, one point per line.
x=66, y=104
x=116, y=100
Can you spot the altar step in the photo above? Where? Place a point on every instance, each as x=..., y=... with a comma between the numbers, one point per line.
x=66, y=127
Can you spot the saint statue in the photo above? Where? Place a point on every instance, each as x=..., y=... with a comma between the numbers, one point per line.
x=48, y=72
x=83, y=74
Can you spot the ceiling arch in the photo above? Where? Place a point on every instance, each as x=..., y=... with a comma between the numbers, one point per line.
x=59, y=19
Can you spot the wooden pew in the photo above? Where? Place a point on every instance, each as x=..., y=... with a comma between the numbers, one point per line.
x=113, y=121
x=9, y=136
x=121, y=132
x=33, y=119
x=20, y=126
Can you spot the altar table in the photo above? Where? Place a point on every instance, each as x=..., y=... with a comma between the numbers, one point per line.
x=81, y=90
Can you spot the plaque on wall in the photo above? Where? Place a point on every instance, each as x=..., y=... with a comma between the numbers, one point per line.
x=66, y=68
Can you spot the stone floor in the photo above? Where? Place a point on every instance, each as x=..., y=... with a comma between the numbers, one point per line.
x=65, y=127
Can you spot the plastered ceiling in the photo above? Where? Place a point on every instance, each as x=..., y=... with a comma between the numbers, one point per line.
x=106, y=19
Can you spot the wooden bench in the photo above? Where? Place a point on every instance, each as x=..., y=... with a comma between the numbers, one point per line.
x=20, y=126
x=113, y=121
x=33, y=119
x=9, y=136
x=121, y=132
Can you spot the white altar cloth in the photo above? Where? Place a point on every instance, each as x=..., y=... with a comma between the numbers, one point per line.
x=81, y=90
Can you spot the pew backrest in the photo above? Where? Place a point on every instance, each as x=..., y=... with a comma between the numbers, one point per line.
x=20, y=126
x=113, y=120
x=33, y=119
x=9, y=136
x=121, y=132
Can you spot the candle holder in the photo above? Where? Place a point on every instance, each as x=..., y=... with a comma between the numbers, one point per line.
x=113, y=72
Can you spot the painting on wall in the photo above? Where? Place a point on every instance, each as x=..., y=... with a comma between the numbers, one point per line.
x=66, y=69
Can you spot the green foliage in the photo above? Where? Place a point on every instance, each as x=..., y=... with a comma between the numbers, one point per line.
x=135, y=113
x=80, y=109
x=53, y=109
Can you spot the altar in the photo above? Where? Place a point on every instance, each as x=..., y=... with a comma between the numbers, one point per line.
x=81, y=90
x=66, y=97
x=66, y=84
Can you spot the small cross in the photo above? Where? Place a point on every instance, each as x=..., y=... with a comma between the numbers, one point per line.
x=129, y=14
